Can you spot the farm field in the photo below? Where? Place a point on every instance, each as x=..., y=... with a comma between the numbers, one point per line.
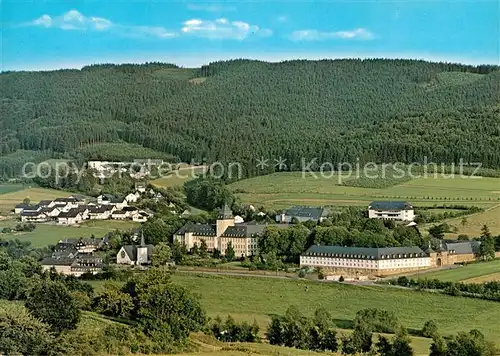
x=248, y=298
x=179, y=177
x=9, y=200
x=472, y=273
x=280, y=190
x=47, y=234
x=475, y=222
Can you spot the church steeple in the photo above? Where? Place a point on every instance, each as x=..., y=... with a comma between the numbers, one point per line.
x=142, y=239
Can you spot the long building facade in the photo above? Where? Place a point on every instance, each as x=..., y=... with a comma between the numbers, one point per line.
x=342, y=260
x=242, y=236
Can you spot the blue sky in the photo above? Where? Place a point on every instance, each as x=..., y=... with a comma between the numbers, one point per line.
x=45, y=34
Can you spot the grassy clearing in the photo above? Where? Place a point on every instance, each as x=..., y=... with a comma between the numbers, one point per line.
x=487, y=278
x=46, y=234
x=249, y=298
x=179, y=177
x=466, y=273
x=284, y=189
x=9, y=200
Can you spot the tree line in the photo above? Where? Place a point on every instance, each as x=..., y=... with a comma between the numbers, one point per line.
x=333, y=110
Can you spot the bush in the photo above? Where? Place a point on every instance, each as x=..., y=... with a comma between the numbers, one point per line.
x=341, y=279
x=302, y=274
x=430, y=329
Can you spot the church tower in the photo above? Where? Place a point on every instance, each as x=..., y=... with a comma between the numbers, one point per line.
x=224, y=220
x=142, y=252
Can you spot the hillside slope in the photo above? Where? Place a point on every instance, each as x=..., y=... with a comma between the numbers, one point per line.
x=337, y=111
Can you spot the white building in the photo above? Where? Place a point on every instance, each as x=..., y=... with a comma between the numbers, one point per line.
x=135, y=254
x=367, y=260
x=133, y=197
x=391, y=210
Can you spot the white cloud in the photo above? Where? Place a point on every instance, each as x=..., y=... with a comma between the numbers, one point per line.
x=210, y=8
x=315, y=35
x=75, y=20
x=222, y=28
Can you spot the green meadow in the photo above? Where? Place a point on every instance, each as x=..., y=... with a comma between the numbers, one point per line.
x=249, y=298
x=283, y=189
x=471, y=273
x=50, y=234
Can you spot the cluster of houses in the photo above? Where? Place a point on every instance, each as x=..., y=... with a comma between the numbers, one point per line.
x=75, y=209
x=76, y=257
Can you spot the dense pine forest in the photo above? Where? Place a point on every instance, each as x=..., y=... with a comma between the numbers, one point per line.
x=237, y=111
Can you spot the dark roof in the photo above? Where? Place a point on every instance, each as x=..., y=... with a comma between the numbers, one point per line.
x=119, y=212
x=463, y=247
x=31, y=213
x=44, y=202
x=72, y=213
x=98, y=209
x=46, y=209
x=22, y=205
x=390, y=205
x=225, y=213
x=373, y=253
x=66, y=200
x=51, y=261
x=131, y=251
x=197, y=229
x=32, y=208
x=313, y=213
x=129, y=208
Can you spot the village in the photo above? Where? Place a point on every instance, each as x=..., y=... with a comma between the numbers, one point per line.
x=77, y=208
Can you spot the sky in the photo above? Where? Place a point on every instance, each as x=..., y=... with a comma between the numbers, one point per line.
x=44, y=35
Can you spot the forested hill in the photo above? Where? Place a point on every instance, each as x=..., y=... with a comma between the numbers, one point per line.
x=377, y=110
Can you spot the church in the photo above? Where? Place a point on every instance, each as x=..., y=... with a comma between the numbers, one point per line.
x=135, y=254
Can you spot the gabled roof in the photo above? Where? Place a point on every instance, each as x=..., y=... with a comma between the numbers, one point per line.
x=390, y=205
x=313, y=213
x=22, y=206
x=44, y=202
x=371, y=253
x=197, y=229
x=32, y=213
x=225, y=212
x=463, y=247
x=66, y=200
x=131, y=251
x=98, y=209
x=72, y=213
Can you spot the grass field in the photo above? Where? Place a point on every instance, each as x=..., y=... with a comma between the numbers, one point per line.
x=46, y=234
x=490, y=217
x=472, y=273
x=284, y=189
x=259, y=298
x=179, y=177
x=9, y=200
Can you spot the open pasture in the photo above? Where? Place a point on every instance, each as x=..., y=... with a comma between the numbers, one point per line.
x=50, y=234
x=472, y=273
x=248, y=298
x=179, y=177
x=474, y=223
x=280, y=190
